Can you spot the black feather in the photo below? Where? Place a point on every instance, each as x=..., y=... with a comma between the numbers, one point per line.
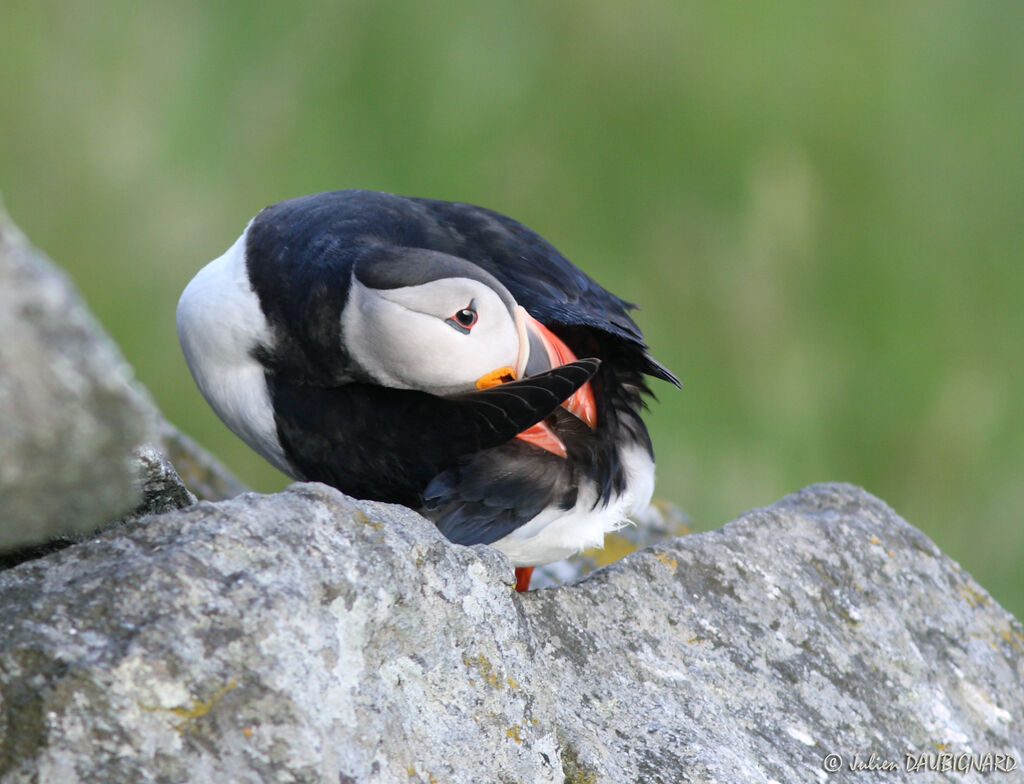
x=489, y=494
x=376, y=442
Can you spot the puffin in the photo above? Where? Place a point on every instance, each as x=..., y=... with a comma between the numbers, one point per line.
x=433, y=354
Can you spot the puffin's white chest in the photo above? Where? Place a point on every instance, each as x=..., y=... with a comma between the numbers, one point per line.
x=219, y=323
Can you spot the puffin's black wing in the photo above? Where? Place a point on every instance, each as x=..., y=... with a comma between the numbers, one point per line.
x=489, y=494
x=376, y=442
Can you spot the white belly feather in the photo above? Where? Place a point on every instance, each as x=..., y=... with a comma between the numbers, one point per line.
x=219, y=323
x=555, y=534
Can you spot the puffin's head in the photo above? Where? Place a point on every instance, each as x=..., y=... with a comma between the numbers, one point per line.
x=419, y=319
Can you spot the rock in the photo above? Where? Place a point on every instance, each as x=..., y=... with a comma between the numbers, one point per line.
x=72, y=420
x=824, y=624
x=162, y=488
x=307, y=637
x=69, y=418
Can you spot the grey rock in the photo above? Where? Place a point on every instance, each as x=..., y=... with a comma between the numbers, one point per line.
x=824, y=624
x=307, y=637
x=69, y=418
x=162, y=488
x=74, y=425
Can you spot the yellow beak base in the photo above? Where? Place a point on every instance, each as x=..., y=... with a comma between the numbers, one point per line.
x=497, y=376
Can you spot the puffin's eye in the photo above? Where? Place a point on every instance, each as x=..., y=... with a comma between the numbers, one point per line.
x=464, y=319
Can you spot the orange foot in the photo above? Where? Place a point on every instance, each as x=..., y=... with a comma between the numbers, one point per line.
x=523, y=575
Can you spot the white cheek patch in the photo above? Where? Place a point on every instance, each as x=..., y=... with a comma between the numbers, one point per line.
x=374, y=330
x=400, y=337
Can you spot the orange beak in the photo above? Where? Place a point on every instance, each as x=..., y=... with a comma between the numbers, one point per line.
x=541, y=349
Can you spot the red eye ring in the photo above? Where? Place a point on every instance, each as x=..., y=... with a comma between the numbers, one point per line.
x=464, y=319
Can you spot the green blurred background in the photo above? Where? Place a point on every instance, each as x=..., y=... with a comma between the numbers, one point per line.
x=819, y=206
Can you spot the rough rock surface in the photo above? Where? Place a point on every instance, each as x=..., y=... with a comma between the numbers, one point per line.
x=162, y=488
x=69, y=419
x=307, y=637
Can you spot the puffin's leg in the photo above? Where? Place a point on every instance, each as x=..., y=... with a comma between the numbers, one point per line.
x=523, y=575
